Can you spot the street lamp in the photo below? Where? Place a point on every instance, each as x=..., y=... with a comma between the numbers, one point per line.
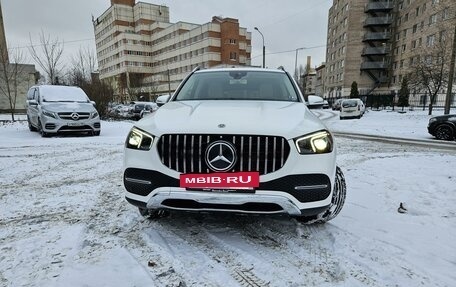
x=296, y=62
x=264, y=49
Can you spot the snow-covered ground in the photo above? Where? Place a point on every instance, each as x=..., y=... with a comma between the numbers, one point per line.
x=64, y=220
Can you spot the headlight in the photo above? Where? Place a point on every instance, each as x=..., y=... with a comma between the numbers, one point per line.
x=138, y=139
x=319, y=142
x=48, y=114
x=94, y=115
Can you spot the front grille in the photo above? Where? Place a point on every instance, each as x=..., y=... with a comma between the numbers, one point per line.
x=75, y=128
x=96, y=125
x=185, y=153
x=68, y=116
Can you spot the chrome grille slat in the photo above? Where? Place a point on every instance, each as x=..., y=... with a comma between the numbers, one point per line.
x=274, y=150
x=192, y=154
x=250, y=153
x=185, y=153
x=266, y=157
x=242, y=152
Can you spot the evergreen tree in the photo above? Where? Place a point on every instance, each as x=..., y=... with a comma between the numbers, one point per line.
x=354, y=93
x=404, y=94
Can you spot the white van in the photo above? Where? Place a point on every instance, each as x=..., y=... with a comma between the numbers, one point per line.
x=61, y=109
x=351, y=108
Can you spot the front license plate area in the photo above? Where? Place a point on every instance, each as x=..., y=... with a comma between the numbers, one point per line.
x=75, y=124
x=221, y=182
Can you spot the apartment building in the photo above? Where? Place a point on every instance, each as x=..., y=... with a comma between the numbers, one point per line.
x=377, y=42
x=320, y=80
x=15, y=79
x=142, y=54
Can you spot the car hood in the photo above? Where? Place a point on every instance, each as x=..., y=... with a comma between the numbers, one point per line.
x=58, y=107
x=451, y=118
x=232, y=117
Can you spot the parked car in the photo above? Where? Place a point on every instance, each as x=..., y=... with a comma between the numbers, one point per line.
x=315, y=102
x=61, y=109
x=135, y=109
x=119, y=111
x=336, y=105
x=148, y=109
x=351, y=108
x=235, y=140
x=443, y=127
x=325, y=104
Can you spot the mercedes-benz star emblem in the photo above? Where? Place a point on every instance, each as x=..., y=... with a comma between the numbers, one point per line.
x=220, y=156
x=75, y=116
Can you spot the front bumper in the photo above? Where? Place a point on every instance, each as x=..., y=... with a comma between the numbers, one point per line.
x=307, y=194
x=52, y=125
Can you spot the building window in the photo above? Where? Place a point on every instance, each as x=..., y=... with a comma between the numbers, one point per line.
x=404, y=47
x=233, y=56
x=414, y=28
x=445, y=13
x=430, y=40
x=413, y=44
x=432, y=19
x=406, y=17
x=404, y=33
x=442, y=37
x=401, y=64
x=232, y=41
x=417, y=11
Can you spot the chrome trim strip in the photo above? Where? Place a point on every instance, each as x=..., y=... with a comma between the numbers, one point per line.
x=224, y=198
x=307, y=187
x=138, y=180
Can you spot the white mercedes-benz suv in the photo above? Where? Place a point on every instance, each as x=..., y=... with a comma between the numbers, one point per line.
x=238, y=140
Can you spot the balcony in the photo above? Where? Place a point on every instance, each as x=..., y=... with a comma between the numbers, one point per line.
x=377, y=36
x=379, y=6
x=378, y=21
x=374, y=66
x=375, y=51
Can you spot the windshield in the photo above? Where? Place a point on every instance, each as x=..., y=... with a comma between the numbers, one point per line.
x=238, y=85
x=63, y=94
x=349, y=104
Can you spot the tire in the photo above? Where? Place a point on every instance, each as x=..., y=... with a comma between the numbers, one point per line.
x=444, y=132
x=96, y=133
x=30, y=126
x=40, y=130
x=337, y=202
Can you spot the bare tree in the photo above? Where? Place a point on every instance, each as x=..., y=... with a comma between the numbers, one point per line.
x=11, y=75
x=83, y=64
x=429, y=69
x=49, y=57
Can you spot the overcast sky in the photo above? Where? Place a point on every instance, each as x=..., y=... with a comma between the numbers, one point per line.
x=286, y=25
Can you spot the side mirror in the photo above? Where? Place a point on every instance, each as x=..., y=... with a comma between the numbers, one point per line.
x=93, y=103
x=33, y=103
x=162, y=100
